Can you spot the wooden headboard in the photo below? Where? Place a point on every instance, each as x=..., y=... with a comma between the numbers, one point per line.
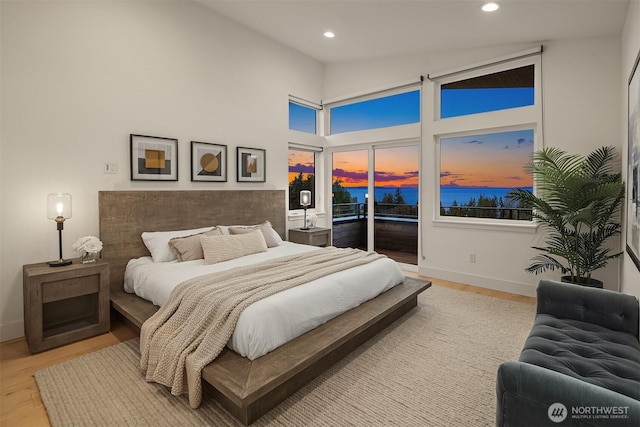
x=125, y=215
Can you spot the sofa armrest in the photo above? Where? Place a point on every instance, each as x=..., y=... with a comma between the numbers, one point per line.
x=525, y=393
x=612, y=310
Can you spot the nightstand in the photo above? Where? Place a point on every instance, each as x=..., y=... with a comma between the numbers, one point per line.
x=315, y=236
x=64, y=304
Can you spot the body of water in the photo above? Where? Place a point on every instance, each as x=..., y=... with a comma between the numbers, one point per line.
x=464, y=194
x=447, y=195
x=409, y=194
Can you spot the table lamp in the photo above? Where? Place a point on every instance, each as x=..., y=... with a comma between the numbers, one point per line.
x=305, y=202
x=59, y=209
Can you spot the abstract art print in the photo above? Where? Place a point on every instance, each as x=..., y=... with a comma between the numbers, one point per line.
x=153, y=158
x=251, y=164
x=633, y=173
x=208, y=162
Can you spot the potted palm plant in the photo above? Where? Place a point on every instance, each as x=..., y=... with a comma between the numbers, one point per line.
x=578, y=202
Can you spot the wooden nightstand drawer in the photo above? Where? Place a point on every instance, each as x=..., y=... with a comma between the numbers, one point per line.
x=70, y=288
x=64, y=304
x=314, y=236
x=319, y=239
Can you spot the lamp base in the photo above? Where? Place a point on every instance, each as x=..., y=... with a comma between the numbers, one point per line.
x=60, y=263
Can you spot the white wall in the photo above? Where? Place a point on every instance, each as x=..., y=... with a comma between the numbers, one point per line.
x=78, y=77
x=630, y=51
x=581, y=111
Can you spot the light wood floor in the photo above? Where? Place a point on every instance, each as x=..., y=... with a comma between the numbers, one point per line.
x=20, y=403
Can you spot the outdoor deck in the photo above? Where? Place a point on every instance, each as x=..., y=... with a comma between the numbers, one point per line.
x=395, y=237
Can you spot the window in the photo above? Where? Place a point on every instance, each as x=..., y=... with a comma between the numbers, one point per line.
x=302, y=172
x=392, y=110
x=302, y=118
x=491, y=92
x=477, y=172
x=486, y=128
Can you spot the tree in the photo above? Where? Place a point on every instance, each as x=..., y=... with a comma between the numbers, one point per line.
x=340, y=194
x=387, y=198
x=398, y=198
x=454, y=210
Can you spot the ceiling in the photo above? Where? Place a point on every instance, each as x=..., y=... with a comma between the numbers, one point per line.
x=368, y=29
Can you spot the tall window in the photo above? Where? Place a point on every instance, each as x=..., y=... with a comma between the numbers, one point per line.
x=486, y=130
x=302, y=173
x=386, y=111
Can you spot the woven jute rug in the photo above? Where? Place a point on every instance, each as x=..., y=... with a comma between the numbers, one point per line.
x=436, y=366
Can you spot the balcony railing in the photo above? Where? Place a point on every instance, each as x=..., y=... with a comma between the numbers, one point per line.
x=343, y=211
x=518, y=214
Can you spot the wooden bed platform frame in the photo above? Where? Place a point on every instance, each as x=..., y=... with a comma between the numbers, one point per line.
x=246, y=389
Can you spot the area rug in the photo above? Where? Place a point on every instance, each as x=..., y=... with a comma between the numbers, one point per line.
x=436, y=366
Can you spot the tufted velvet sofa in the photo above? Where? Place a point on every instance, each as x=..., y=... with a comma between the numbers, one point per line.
x=580, y=365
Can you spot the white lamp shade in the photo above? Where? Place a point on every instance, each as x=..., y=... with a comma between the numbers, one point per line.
x=59, y=204
x=305, y=198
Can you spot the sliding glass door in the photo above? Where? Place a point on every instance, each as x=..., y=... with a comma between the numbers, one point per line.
x=375, y=200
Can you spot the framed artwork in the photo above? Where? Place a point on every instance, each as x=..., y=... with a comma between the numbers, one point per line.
x=154, y=158
x=633, y=172
x=208, y=162
x=251, y=164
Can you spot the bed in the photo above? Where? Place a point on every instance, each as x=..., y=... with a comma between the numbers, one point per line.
x=245, y=388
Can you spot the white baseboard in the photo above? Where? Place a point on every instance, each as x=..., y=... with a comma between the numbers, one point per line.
x=10, y=331
x=525, y=289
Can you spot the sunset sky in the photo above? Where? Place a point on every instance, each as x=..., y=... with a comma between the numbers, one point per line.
x=395, y=167
x=300, y=161
x=490, y=160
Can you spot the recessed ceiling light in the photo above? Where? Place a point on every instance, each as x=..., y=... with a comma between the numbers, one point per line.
x=329, y=35
x=490, y=6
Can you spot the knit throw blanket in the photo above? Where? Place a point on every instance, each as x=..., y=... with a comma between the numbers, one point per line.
x=193, y=327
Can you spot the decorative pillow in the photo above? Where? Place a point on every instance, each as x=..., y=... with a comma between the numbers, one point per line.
x=225, y=247
x=271, y=236
x=157, y=242
x=189, y=248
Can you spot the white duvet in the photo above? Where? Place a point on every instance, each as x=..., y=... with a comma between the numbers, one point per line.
x=267, y=324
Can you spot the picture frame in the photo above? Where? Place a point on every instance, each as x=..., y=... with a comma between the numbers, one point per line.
x=250, y=164
x=208, y=162
x=153, y=158
x=633, y=169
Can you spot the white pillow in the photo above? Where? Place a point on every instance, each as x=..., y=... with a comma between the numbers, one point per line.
x=223, y=248
x=271, y=236
x=157, y=242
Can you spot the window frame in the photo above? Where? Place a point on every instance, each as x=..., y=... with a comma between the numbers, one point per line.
x=518, y=118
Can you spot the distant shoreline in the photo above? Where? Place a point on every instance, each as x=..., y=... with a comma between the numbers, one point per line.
x=448, y=195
